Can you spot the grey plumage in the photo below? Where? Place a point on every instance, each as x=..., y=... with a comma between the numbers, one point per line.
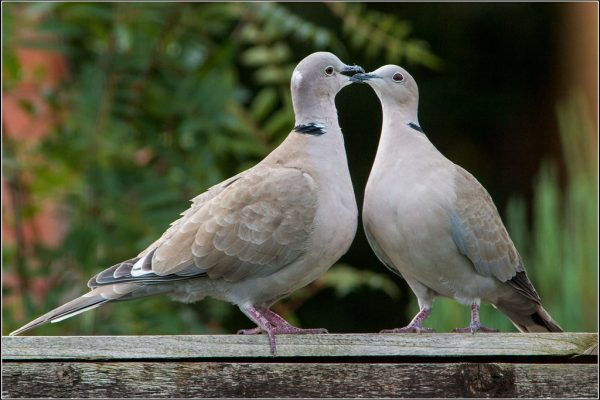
x=433, y=223
x=259, y=235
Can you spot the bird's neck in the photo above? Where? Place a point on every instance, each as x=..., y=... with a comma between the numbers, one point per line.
x=316, y=143
x=320, y=112
x=394, y=113
x=317, y=130
x=402, y=139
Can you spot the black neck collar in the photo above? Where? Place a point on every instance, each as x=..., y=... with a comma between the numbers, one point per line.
x=416, y=127
x=312, y=128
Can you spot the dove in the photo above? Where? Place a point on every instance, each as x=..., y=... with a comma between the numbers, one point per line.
x=431, y=222
x=259, y=235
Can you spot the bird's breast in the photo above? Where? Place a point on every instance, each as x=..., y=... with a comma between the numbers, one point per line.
x=406, y=208
x=337, y=212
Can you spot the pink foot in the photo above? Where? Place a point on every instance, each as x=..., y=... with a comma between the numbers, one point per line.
x=475, y=328
x=272, y=324
x=282, y=326
x=292, y=330
x=289, y=330
x=408, y=329
x=415, y=326
x=475, y=325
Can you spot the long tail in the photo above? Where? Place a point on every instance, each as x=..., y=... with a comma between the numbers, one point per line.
x=94, y=298
x=521, y=303
x=533, y=318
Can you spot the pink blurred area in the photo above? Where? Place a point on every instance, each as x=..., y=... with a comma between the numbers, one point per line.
x=17, y=123
x=41, y=71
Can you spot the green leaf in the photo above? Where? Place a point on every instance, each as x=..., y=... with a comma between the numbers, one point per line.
x=263, y=103
x=279, y=123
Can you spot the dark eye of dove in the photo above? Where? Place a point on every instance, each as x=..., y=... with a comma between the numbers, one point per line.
x=329, y=70
x=398, y=77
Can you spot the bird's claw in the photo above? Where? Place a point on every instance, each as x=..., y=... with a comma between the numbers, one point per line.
x=292, y=330
x=284, y=330
x=281, y=330
x=473, y=328
x=409, y=329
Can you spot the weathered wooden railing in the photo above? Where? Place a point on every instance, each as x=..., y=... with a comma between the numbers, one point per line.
x=334, y=365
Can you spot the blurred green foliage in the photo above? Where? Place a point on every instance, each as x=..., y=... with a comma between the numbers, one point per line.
x=562, y=245
x=161, y=102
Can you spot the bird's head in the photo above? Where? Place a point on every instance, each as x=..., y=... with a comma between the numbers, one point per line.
x=392, y=84
x=322, y=74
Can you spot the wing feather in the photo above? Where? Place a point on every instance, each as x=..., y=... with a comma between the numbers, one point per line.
x=250, y=225
x=253, y=228
x=480, y=235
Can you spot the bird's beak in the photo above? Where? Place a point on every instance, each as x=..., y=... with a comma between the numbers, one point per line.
x=362, y=78
x=350, y=70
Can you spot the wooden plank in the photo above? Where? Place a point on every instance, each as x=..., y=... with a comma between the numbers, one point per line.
x=284, y=380
x=331, y=345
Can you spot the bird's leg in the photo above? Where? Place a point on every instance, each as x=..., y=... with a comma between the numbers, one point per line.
x=475, y=325
x=272, y=324
x=279, y=325
x=282, y=326
x=415, y=326
x=258, y=330
x=257, y=315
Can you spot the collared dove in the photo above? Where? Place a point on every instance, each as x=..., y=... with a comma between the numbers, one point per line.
x=260, y=235
x=432, y=223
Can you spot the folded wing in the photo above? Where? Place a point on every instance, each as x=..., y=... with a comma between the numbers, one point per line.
x=480, y=235
x=250, y=226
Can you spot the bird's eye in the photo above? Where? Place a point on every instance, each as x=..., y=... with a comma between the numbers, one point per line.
x=329, y=70
x=398, y=77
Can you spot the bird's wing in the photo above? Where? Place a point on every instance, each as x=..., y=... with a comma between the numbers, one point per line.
x=480, y=235
x=254, y=226
x=121, y=272
x=197, y=202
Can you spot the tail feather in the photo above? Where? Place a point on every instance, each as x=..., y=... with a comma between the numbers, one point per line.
x=95, y=298
x=65, y=311
x=542, y=318
x=536, y=320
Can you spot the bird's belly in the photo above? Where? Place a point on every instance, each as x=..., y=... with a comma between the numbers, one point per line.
x=337, y=218
x=450, y=276
x=418, y=241
x=334, y=230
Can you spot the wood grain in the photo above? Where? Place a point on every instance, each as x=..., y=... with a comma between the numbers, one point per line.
x=332, y=345
x=284, y=380
x=312, y=366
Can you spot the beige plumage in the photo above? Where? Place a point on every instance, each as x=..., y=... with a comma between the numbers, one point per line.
x=261, y=234
x=431, y=221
